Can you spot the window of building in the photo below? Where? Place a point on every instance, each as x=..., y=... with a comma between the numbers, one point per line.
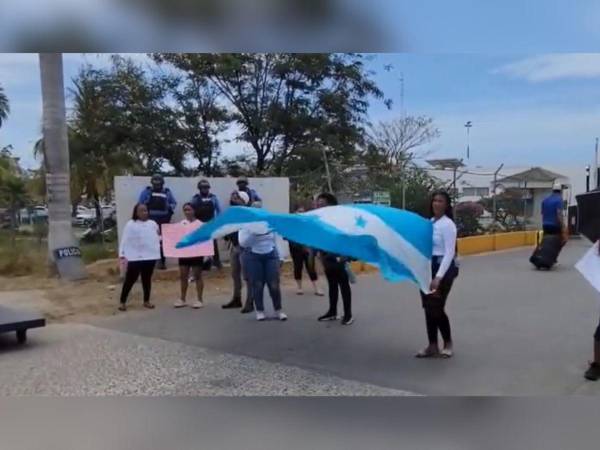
x=476, y=191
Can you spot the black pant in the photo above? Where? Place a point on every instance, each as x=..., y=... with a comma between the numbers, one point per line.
x=434, y=304
x=302, y=258
x=551, y=230
x=134, y=270
x=216, y=259
x=337, y=279
x=597, y=333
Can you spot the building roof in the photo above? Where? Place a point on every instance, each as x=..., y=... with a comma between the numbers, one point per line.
x=535, y=174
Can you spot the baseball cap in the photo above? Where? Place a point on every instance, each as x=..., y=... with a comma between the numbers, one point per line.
x=557, y=186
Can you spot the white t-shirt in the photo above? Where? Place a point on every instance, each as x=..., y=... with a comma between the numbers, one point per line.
x=140, y=241
x=444, y=243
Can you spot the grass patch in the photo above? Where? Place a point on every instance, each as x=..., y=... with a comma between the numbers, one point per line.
x=94, y=252
x=27, y=255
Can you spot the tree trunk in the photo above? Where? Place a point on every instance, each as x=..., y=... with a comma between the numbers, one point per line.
x=60, y=234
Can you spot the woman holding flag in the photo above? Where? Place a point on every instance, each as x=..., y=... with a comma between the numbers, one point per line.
x=444, y=270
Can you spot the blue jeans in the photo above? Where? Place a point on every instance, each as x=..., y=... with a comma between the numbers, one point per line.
x=261, y=270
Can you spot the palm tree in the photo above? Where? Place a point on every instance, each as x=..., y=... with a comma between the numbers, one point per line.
x=4, y=106
x=56, y=153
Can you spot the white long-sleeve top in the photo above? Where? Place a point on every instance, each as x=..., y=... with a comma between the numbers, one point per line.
x=444, y=243
x=140, y=241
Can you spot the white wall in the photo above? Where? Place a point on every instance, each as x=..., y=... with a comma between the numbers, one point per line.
x=275, y=193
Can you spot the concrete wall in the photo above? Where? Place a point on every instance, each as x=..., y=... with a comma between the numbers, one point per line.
x=275, y=193
x=493, y=242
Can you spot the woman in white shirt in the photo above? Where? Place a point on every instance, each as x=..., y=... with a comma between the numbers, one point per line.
x=261, y=264
x=444, y=271
x=139, y=249
x=193, y=264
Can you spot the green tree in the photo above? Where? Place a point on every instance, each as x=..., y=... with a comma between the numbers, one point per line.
x=283, y=102
x=201, y=121
x=4, y=106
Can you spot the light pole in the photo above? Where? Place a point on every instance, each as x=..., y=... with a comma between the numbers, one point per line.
x=468, y=126
x=494, y=206
x=587, y=178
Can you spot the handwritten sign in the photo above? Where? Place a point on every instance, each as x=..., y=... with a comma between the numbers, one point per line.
x=589, y=267
x=172, y=233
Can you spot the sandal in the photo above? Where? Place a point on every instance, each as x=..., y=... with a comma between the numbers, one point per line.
x=148, y=305
x=122, y=308
x=427, y=354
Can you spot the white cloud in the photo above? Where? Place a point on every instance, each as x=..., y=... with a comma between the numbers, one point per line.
x=554, y=67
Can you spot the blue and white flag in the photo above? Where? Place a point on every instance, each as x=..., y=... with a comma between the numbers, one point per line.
x=398, y=242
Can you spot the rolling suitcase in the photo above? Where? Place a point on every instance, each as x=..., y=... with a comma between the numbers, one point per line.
x=546, y=253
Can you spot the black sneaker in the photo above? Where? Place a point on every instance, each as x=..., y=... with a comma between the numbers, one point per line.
x=347, y=320
x=593, y=373
x=327, y=317
x=235, y=303
x=248, y=308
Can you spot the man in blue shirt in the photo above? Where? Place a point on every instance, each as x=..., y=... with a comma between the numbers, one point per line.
x=207, y=207
x=552, y=211
x=161, y=205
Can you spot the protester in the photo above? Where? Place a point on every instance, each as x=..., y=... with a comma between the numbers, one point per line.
x=304, y=257
x=261, y=262
x=238, y=198
x=206, y=206
x=161, y=205
x=593, y=372
x=444, y=270
x=337, y=275
x=187, y=265
x=139, y=249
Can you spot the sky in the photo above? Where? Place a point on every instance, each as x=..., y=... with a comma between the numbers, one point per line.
x=526, y=109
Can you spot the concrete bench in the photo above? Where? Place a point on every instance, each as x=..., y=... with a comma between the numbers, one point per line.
x=19, y=322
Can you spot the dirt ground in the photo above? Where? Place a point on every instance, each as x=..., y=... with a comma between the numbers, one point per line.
x=98, y=295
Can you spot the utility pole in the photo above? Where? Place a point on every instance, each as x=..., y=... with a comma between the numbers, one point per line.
x=495, y=186
x=468, y=126
x=63, y=251
x=327, y=169
x=597, y=183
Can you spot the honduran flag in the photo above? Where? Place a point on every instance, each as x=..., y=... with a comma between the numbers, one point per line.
x=398, y=242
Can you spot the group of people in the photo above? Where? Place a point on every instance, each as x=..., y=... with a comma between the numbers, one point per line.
x=255, y=259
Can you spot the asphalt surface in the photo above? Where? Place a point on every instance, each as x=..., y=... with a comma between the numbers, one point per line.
x=517, y=331
x=82, y=360
x=430, y=423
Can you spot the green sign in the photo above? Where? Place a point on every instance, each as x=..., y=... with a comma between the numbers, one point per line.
x=382, y=198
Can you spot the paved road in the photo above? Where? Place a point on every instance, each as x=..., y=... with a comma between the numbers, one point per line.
x=517, y=331
x=82, y=360
x=432, y=423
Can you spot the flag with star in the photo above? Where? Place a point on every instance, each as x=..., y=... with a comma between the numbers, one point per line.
x=398, y=242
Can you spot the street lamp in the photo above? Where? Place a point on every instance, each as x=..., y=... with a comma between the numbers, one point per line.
x=468, y=126
x=587, y=178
